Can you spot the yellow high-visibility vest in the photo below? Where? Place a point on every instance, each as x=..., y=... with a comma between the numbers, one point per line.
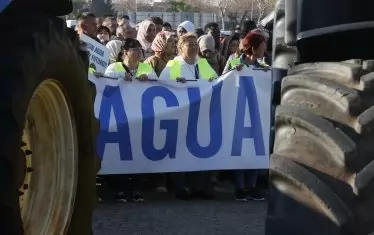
x=91, y=70
x=205, y=70
x=143, y=69
x=237, y=61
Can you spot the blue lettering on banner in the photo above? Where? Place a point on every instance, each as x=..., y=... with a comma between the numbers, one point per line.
x=112, y=98
x=215, y=121
x=171, y=126
x=247, y=94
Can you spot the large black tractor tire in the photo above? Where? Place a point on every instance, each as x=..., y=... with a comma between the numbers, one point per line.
x=322, y=167
x=42, y=70
x=284, y=56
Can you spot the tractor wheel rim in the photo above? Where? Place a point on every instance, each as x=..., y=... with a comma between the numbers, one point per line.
x=50, y=146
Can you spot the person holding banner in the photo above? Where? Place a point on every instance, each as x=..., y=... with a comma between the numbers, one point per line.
x=86, y=25
x=128, y=65
x=252, y=50
x=189, y=67
x=164, y=47
x=207, y=50
x=253, y=47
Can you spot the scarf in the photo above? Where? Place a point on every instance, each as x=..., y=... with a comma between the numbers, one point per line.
x=142, y=32
x=160, y=41
x=114, y=47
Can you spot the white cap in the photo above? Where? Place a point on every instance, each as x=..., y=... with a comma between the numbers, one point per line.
x=188, y=26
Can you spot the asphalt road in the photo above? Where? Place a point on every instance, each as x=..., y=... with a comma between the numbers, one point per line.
x=161, y=214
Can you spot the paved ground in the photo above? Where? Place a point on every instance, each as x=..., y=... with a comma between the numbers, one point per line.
x=164, y=215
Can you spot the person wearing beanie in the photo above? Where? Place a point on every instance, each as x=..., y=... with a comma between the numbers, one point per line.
x=207, y=50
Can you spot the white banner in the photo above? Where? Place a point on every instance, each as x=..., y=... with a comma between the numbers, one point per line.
x=167, y=126
x=99, y=54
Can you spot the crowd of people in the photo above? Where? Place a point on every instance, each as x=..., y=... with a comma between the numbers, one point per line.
x=153, y=50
